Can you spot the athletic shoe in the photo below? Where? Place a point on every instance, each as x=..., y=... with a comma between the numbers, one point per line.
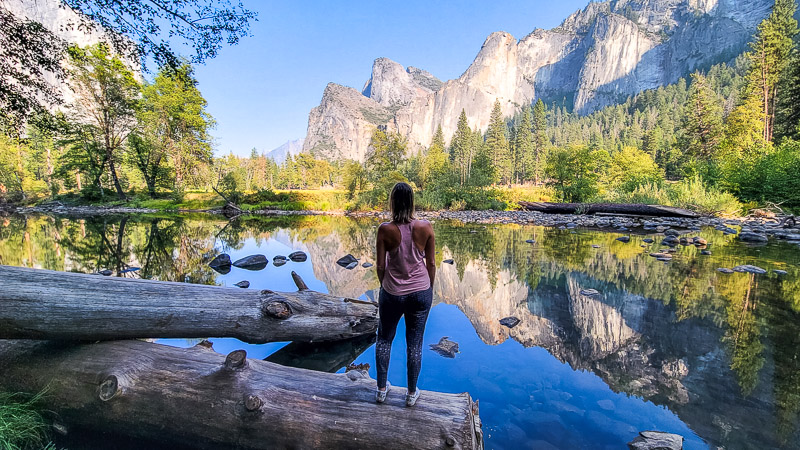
x=380, y=396
x=411, y=399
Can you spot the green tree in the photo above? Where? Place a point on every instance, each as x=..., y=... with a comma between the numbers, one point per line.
x=497, y=145
x=29, y=53
x=462, y=149
x=174, y=122
x=771, y=48
x=575, y=171
x=539, y=141
x=631, y=168
x=104, y=110
x=703, y=120
x=524, y=146
x=435, y=166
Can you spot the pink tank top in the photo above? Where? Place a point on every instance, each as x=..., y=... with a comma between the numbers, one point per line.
x=405, y=265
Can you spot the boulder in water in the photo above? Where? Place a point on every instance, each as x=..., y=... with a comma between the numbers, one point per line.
x=724, y=270
x=252, y=262
x=446, y=348
x=222, y=263
x=105, y=272
x=656, y=440
x=747, y=268
x=298, y=256
x=509, y=322
x=449, y=261
x=366, y=265
x=347, y=260
x=244, y=284
x=589, y=292
x=647, y=240
x=352, y=265
x=748, y=236
x=624, y=238
x=779, y=272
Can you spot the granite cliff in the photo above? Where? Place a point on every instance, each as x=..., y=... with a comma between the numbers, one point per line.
x=598, y=56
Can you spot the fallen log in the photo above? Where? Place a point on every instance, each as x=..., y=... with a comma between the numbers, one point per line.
x=43, y=304
x=322, y=356
x=201, y=399
x=613, y=208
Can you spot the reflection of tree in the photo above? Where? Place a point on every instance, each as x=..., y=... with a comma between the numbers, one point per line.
x=786, y=355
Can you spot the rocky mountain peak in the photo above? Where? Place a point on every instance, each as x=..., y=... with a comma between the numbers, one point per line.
x=598, y=56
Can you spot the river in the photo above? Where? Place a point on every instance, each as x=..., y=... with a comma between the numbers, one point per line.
x=674, y=346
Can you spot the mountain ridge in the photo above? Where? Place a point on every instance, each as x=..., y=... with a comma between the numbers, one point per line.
x=598, y=56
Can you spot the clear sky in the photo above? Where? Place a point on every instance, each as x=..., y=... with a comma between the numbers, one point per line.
x=261, y=90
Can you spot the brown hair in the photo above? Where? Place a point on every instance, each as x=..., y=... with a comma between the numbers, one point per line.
x=401, y=203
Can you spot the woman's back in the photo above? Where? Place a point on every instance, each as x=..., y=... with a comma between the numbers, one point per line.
x=405, y=257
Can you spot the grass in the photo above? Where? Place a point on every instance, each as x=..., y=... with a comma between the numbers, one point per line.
x=22, y=426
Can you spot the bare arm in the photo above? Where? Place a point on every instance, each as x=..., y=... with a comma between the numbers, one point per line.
x=380, y=247
x=430, y=254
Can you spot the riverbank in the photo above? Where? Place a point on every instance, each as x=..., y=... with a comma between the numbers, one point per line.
x=753, y=229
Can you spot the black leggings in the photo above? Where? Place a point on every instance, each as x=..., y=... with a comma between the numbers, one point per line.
x=416, y=307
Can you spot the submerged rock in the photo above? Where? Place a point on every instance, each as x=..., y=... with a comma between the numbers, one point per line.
x=509, y=322
x=624, y=238
x=279, y=260
x=705, y=252
x=747, y=268
x=347, y=260
x=449, y=261
x=647, y=240
x=252, y=262
x=589, y=292
x=656, y=440
x=105, y=272
x=699, y=241
x=779, y=272
x=298, y=256
x=748, y=236
x=446, y=348
x=366, y=265
x=352, y=265
x=724, y=270
x=530, y=241
x=243, y=284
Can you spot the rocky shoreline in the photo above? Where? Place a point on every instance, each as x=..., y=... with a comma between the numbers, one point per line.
x=752, y=229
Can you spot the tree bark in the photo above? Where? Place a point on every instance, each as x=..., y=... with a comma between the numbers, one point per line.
x=43, y=304
x=201, y=399
x=613, y=208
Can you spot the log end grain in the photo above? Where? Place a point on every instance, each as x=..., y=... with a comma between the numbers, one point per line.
x=277, y=310
x=108, y=388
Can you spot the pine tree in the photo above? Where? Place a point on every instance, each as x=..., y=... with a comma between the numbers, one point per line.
x=497, y=144
x=703, y=120
x=435, y=165
x=539, y=140
x=770, y=53
x=787, y=110
x=461, y=148
x=523, y=145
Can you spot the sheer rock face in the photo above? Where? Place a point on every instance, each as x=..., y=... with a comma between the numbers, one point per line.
x=598, y=56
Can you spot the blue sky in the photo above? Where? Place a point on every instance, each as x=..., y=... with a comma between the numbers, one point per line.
x=260, y=91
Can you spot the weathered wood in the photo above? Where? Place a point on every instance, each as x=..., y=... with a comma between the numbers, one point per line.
x=43, y=304
x=614, y=208
x=198, y=398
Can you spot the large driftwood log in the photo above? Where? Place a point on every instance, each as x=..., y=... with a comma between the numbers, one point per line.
x=613, y=208
x=198, y=398
x=42, y=304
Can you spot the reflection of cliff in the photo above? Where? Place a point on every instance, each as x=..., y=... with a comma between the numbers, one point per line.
x=634, y=344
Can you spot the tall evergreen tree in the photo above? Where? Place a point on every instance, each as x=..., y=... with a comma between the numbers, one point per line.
x=787, y=109
x=770, y=53
x=523, y=146
x=539, y=140
x=497, y=144
x=435, y=166
x=461, y=148
x=703, y=119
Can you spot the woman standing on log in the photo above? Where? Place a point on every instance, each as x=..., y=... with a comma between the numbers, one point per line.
x=406, y=270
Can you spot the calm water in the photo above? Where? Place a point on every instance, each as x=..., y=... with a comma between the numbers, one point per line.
x=674, y=346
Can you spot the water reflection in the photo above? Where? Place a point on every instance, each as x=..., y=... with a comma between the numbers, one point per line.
x=719, y=351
